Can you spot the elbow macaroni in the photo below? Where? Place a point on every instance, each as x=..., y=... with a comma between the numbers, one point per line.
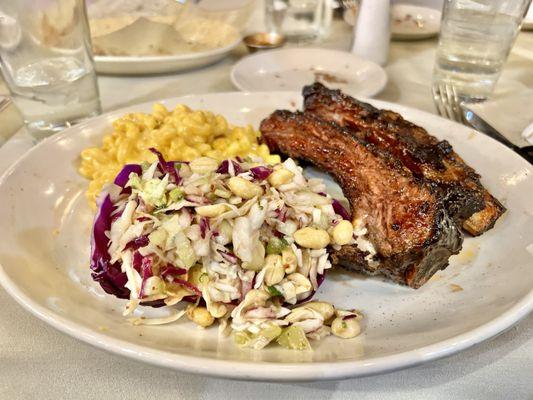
x=181, y=134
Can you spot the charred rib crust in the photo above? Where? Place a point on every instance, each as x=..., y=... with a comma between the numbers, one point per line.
x=422, y=154
x=407, y=221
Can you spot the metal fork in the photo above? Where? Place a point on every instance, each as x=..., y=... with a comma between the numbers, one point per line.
x=449, y=105
x=350, y=4
x=4, y=103
x=447, y=102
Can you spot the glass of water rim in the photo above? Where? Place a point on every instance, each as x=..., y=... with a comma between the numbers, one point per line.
x=46, y=60
x=299, y=19
x=476, y=37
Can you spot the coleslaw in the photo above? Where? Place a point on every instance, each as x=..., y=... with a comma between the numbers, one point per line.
x=240, y=242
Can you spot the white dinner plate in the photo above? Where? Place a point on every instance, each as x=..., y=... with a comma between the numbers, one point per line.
x=527, y=24
x=408, y=22
x=132, y=65
x=44, y=257
x=290, y=69
x=414, y=22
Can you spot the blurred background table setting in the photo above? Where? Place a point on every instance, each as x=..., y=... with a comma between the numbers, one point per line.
x=65, y=61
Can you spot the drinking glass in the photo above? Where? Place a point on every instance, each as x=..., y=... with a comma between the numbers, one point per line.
x=476, y=37
x=299, y=19
x=46, y=61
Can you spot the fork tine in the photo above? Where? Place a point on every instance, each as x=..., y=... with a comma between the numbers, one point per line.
x=458, y=108
x=446, y=101
x=453, y=103
x=450, y=91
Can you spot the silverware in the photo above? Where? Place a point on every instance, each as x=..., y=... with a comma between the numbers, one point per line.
x=350, y=4
x=475, y=121
x=447, y=102
x=449, y=105
x=4, y=103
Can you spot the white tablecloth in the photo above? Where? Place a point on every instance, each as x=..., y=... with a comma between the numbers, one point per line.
x=37, y=362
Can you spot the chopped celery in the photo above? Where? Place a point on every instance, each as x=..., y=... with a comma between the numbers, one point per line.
x=293, y=338
x=259, y=340
x=175, y=195
x=276, y=245
x=274, y=291
x=196, y=275
x=204, y=278
x=242, y=338
x=271, y=332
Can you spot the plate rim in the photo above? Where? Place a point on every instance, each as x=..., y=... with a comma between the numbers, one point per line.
x=379, y=88
x=271, y=371
x=167, y=58
x=260, y=371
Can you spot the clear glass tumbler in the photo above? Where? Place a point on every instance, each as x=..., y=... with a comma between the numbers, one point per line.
x=46, y=60
x=299, y=19
x=476, y=37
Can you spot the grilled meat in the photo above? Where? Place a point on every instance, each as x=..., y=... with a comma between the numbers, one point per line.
x=466, y=200
x=406, y=219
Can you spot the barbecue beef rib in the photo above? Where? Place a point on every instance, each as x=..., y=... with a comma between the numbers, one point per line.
x=407, y=219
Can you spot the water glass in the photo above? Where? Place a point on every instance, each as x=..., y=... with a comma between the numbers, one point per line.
x=46, y=61
x=299, y=19
x=475, y=39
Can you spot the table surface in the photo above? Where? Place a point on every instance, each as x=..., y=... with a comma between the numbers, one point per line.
x=36, y=361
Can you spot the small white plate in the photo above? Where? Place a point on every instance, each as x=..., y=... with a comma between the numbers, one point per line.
x=414, y=22
x=131, y=65
x=408, y=22
x=290, y=69
x=44, y=257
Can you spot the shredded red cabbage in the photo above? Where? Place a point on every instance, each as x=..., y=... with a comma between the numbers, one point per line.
x=339, y=209
x=167, y=167
x=146, y=272
x=260, y=173
x=229, y=256
x=223, y=168
x=124, y=175
x=246, y=287
x=281, y=214
x=277, y=234
x=137, y=243
x=137, y=261
x=197, y=199
x=107, y=274
x=171, y=270
x=116, y=216
x=188, y=285
x=204, y=227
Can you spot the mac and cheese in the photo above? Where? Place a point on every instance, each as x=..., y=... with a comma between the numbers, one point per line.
x=181, y=134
